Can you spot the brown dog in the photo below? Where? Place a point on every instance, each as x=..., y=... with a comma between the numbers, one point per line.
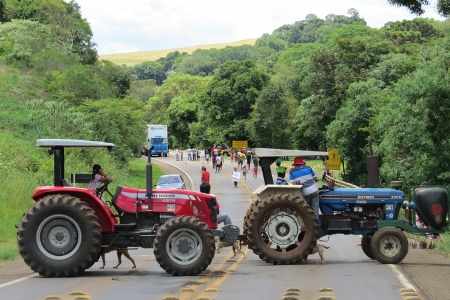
x=319, y=249
x=119, y=255
x=235, y=245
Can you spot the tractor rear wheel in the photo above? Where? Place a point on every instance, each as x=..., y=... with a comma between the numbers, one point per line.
x=59, y=236
x=184, y=245
x=365, y=246
x=282, y=229
x=389, y=245
x=247, y=217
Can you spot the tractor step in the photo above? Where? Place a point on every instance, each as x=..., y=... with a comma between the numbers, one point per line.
x=124, y=227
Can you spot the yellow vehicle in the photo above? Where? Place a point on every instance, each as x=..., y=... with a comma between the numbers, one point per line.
x=235, y=146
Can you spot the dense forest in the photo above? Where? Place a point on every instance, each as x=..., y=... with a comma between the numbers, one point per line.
x=313, y=85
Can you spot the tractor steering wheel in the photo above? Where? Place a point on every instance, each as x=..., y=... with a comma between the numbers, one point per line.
x=102, y=189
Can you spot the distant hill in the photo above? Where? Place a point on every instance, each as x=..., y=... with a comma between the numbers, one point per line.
x=134, y=58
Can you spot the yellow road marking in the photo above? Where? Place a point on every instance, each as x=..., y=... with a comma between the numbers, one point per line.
x=205, y=279
x=190, y=292
x=228, y=271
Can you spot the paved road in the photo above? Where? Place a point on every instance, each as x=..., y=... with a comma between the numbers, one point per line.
x=347, y=272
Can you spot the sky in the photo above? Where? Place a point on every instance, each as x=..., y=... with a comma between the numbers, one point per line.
x=143, y=25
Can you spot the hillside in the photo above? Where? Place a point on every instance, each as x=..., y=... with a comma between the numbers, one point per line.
x=133, y=58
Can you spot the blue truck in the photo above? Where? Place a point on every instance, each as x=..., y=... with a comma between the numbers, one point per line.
x=158, y=138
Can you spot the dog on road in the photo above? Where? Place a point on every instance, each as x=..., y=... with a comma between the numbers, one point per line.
x=317, y=249
x=235, y=246
x=119, y=251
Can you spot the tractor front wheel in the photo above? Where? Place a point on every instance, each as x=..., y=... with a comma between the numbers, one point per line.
x=282, y=229
x=389, y=245
x=59, y=236
x=184, y=245
x=365, y=246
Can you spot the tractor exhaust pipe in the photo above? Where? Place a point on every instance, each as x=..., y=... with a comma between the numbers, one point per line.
x=372, y=167
x=149, y=178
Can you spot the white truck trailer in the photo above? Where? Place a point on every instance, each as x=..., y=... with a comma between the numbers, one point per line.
x=158, y=138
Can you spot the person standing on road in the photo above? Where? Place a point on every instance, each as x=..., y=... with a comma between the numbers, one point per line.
x=304, y=175
x=248, y=155
x=205, y=186
x=219, y=162
x=236, y=176
x=244, y=172
x=255, y=161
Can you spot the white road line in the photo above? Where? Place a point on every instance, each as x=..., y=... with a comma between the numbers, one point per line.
x=403, y=280
x=17, y=280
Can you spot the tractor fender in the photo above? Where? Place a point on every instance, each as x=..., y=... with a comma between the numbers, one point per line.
x=103, y=212
x=265, y=191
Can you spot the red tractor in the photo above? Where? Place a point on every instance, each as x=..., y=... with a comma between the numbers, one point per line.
x=63, y=232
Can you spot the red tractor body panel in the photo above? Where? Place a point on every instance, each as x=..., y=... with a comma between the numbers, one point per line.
x=177, y=202
x=103, y=212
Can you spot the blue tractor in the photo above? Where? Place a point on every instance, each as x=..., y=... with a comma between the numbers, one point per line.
x=281, y=228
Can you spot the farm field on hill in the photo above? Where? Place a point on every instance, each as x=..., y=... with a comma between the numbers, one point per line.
x=133, y=58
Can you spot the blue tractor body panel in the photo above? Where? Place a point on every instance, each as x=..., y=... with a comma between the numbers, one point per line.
x=343, y=199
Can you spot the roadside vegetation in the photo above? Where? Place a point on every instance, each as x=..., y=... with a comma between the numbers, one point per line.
x=314, y=85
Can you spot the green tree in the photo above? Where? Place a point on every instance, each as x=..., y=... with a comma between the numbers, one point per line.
x=20, y=39
x=20, y=9
x=116, y=76
x=272, y=116
x=348, y=132
x=175, y=86
x=271, y=42
x=142, y=89
x=2, y=11
x=414, y=124
x=416, y=6
x=77, y=84
x=149, y=70
x=119, y=121
x=232, y=93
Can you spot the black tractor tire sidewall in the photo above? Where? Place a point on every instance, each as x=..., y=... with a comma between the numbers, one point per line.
x=257, y=243
x=365, y=246
x=195, y=225
x=89, y=229
x=375, y=245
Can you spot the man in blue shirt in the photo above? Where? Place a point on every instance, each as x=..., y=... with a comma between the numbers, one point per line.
x=304, y=175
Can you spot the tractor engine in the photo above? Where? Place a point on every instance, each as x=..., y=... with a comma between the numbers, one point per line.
x=357, y=210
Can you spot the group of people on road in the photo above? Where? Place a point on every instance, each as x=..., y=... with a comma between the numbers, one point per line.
x=192, y=154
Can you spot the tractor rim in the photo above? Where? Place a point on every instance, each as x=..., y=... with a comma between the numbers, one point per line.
x=58, y=237
x=184, y=246
x=390, y=246
x=282, y=228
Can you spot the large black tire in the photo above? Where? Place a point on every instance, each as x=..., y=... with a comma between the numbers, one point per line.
x=247, y=218
x=59, y=236
x=389, y=245
x=365, y=246
x=184, y=246
x=282, y=229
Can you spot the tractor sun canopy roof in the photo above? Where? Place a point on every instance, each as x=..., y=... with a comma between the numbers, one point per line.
x=267, y=152
x=46, y=143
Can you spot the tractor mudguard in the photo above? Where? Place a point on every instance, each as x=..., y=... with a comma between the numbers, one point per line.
x=103, y=213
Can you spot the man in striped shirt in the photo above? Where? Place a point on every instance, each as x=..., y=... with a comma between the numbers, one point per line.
x=304, y=175
x=281, y=172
